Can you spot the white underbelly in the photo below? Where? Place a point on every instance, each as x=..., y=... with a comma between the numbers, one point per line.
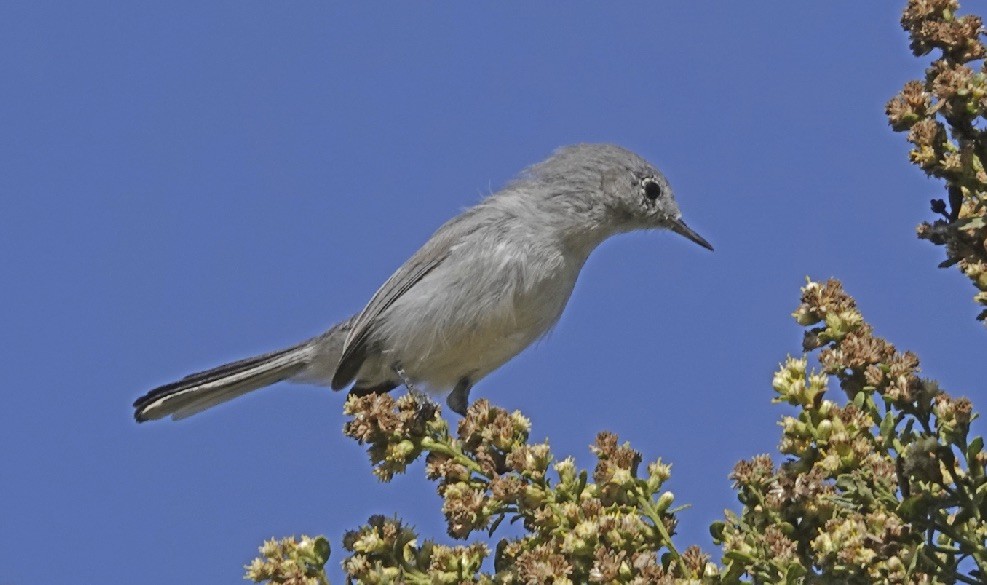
x=446, y=329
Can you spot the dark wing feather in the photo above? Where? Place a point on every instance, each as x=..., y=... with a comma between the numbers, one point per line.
x=425, y=260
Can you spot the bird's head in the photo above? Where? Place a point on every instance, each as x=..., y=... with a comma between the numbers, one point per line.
x=613, y=185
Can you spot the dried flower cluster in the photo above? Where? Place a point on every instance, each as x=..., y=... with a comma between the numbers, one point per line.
x=886, y=488
x=880, y=485
x=291, y=562
x=385, y=551
x=610, y=529
x=944, y=116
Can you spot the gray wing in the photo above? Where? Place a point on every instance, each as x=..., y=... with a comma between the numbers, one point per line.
x=425, y=260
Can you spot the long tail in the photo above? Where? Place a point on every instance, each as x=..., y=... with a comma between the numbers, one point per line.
x=313, y=362
x=197, y=392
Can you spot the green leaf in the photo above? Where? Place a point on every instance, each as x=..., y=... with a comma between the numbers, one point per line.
x=501, y=563
x=887, y=425
x=907, y=434
x=976, y=446
x=871, y=405
x=666, y=559
x=495, y=524
x=738, y=556
x=322, y=550
x=794, y=573
x=716, y=531
x=913, y=507
x=583, y=478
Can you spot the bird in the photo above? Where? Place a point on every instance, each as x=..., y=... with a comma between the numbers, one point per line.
x=486, y=285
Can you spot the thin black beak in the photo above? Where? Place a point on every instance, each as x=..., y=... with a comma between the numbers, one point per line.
x=678, y=226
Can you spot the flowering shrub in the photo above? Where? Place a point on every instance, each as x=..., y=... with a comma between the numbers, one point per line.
x=877, y=479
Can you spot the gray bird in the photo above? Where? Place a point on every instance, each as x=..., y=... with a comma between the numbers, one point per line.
x=485, y=286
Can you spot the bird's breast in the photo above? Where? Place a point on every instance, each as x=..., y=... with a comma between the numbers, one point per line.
x=483, y=305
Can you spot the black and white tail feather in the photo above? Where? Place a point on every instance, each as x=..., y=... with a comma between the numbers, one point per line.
x=313, y=361
x=197, y=392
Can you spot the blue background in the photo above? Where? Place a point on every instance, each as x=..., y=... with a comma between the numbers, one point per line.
x=185, y=184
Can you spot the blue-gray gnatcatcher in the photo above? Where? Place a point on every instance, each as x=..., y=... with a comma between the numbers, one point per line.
x=486, y=285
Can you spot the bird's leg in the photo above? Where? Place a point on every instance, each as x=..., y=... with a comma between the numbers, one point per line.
x=425, y=405
x=459, y=399
x=414, y=391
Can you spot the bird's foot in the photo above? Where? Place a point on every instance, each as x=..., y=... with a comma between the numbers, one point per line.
x=459, y=399
x=425, y=406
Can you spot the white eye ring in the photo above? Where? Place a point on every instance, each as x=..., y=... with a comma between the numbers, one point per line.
x=650, y=188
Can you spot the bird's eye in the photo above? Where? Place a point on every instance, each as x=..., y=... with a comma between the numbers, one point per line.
x=651, y=188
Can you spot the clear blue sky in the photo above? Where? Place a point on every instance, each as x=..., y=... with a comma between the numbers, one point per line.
x=188, y=183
